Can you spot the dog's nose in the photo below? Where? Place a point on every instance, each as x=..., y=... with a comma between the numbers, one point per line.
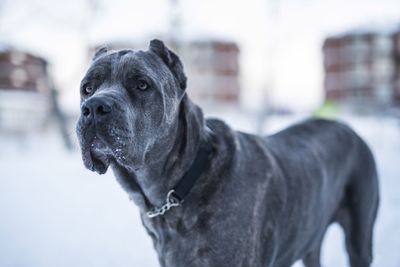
x=96, y=108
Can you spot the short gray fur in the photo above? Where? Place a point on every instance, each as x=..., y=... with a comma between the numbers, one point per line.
x=265, y=200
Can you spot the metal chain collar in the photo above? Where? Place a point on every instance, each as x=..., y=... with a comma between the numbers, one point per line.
x=169, y=203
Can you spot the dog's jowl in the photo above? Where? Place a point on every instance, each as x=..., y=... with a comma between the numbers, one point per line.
x=212, y=196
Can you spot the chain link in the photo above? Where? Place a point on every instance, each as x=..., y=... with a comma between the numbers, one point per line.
x=169, y=203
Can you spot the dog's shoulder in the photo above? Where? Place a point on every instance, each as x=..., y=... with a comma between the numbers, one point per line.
x=219, y=128
x=222, y=133
x=239, y=144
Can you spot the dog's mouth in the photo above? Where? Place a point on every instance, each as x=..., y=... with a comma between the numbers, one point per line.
x=97, y=156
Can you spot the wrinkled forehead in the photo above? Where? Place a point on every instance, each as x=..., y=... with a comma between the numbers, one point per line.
x=117, y=65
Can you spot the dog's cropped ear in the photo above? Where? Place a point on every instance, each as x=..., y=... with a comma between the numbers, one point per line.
x=170, y=59
x=99, y=52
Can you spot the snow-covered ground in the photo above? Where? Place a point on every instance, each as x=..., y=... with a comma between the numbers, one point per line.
x=53, y=212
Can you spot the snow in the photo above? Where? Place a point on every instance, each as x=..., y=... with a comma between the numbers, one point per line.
x=53, y=212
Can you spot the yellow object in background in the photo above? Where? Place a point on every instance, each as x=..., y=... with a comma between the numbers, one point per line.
x=329, y=110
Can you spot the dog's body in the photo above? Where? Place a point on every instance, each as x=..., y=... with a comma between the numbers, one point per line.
x=263, y=201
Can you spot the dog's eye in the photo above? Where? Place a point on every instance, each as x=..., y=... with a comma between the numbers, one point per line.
x=87, y=89
x=142, y=85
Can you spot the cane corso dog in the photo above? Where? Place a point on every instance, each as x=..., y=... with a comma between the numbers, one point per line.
x=212, y=196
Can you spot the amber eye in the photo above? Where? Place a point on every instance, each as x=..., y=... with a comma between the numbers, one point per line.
x=142, y=85
x=87, y=89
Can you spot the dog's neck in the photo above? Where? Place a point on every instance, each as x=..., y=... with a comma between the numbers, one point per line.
x=148, y=186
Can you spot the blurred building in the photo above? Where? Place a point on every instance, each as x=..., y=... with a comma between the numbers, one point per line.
x=24, y=101
x=213, y=71
x=21, y=71
x=212, y=67
x=362, y=68
x=396, y=42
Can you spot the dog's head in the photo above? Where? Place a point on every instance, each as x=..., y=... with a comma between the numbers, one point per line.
x=129, y=106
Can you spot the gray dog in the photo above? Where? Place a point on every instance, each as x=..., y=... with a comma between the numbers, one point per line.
x=212, y=196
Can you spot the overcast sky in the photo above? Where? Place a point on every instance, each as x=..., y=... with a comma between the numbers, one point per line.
x=280, y=40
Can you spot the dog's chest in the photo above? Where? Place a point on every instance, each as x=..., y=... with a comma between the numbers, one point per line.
x=180, y=241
